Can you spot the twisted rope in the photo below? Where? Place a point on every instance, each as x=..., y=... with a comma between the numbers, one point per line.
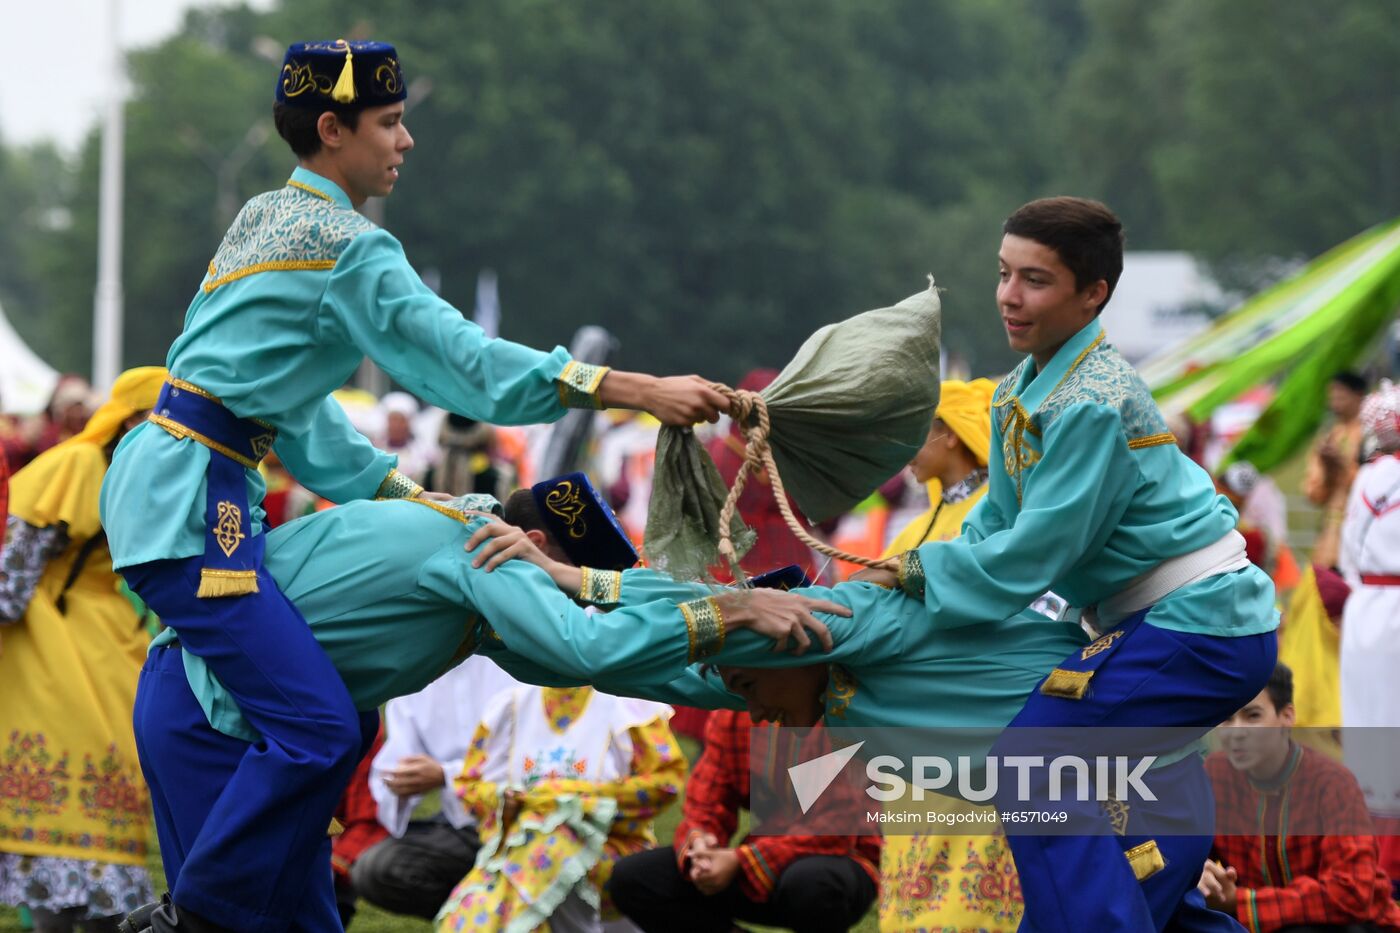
x=750, y=413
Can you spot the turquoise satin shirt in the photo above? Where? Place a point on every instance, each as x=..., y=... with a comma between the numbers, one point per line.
x=885, y=670
x=1087, y=492
x=300, y=290
x=390, y=594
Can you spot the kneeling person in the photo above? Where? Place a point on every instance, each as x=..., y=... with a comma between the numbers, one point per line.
x=1271, y=870
x=704, y=883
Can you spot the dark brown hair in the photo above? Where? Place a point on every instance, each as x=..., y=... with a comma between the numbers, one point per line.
x=1087, y=236
x=297, y=126
x=1280, y=686
x=522, y=511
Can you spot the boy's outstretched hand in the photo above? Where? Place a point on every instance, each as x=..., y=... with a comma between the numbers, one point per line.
x=675, y=400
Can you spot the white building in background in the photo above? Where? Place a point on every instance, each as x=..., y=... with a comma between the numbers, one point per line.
x=1162, y=299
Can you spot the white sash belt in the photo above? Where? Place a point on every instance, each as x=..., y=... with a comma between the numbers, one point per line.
x=1224, y=556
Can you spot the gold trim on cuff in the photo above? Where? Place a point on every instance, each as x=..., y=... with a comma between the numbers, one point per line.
x=578, y=384
x=704, y=625
x=600, y=587
x=398, y=486
x=911, y=574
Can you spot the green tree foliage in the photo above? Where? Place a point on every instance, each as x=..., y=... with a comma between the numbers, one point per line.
x=36, y=187
x=714, y=181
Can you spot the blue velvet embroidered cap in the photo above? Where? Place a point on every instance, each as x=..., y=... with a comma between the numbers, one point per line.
x=582, y=523
x=790, y=577
x=340, y=76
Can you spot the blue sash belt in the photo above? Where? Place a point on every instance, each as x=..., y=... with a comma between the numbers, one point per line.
x=232, y=555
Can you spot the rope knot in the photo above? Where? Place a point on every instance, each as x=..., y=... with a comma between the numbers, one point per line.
x=749, y=410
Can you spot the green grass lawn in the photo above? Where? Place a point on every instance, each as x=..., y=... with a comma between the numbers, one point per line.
x=370, y=919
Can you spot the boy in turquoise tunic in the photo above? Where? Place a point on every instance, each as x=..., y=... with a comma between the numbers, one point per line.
x=394, y=598
x=883, y=672
x=298, y=291
x=1091, y=498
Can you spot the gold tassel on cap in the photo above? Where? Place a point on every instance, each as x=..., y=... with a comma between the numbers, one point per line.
x=344, y=91
x=214, y=584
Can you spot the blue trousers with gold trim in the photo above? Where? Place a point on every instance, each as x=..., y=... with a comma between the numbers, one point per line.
x=1150, y=677
x=246, y=822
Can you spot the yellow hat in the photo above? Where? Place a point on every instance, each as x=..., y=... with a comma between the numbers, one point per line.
x=63, y=483
x=134, y=391
x=965, y=407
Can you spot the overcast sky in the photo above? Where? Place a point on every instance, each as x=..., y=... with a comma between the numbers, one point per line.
x=55, y=53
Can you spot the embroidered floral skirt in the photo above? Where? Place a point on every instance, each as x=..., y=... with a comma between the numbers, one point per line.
x=949, y=883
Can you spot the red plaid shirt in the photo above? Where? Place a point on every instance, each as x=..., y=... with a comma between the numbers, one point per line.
x=719, y=787
x=1287, y=879
x=358, y=816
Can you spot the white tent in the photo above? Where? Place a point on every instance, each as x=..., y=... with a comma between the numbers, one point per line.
x=26, y=382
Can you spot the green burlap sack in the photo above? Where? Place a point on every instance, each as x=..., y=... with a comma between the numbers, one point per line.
x=687, y=495
x=847, y=413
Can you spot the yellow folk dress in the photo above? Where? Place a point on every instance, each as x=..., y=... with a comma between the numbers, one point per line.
x=959, y=883
x=593, y=771
x=74, y=810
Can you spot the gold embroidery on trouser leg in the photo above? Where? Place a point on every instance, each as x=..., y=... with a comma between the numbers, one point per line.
x=1146, y=860
x=1068, y=685
x=1117, y=813
x=1100, y=646
x=214, y=584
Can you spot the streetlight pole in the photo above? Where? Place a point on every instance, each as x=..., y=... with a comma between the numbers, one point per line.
x=227, y=166
x=107, y=301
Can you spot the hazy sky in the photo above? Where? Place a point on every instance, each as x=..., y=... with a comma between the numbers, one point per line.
x=56, y=53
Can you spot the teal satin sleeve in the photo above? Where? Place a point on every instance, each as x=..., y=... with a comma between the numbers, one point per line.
x=332, y=459
x=383, y=307
x=645, y=643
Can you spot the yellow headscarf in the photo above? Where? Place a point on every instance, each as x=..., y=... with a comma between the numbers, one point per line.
x=62, y=484
x=965, y=407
